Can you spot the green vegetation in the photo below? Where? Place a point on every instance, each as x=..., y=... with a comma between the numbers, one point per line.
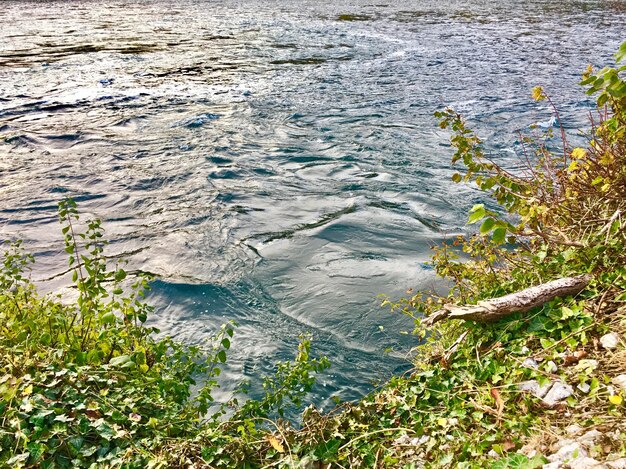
x=89, y=385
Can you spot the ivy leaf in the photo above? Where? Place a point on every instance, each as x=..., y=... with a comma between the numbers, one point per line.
x=519, y=461
x=63, y=418
x=17, y=459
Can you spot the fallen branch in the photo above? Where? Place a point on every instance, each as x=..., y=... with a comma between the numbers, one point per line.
x=519, y=302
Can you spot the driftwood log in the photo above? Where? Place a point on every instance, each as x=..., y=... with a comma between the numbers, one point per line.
x=519, y=302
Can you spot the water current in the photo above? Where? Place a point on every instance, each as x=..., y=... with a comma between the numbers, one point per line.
x=274, y=162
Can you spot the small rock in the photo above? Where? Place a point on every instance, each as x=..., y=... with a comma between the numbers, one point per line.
x=568, y=453
x=534, y=388
x=493, y=454
x=552, y=465
x=551, y=367
x=557, y=393
x=609, y=341
x=617, y=464
x=589, y=438
x=584, y=388
x=528, y=450
x=620, y=381
x=529, y=453
x=585, y=463
x=530, y=363
x=573, y=429
x=561, y=443
x=402, y=440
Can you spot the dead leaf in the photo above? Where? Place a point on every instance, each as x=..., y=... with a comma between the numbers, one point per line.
x=93, y=414
x=275, y=443
x=574, y=358
x=508, y=445
x=499, y=402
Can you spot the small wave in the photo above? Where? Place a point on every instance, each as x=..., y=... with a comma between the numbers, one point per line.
x=198, y=121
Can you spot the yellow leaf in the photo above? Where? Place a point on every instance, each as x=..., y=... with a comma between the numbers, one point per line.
x=275, y=443
x=442, y=421
x=579, y=153
x=538, y=94
x=616, y=400
x=144, y=368
x=28, y=390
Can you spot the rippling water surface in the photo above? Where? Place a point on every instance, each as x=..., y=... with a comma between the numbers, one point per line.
x=274, y=162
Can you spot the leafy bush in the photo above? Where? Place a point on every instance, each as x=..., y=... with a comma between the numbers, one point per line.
x=462, y=406
x=88, y=384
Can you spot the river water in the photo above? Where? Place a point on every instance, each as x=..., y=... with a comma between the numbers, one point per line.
x=274, y=162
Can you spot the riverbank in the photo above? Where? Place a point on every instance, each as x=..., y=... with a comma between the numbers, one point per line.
x=89, y=385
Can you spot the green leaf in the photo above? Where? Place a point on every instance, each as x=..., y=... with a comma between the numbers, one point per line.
x=76, y=442
x=602, y=99
x=545, y=343
x=120, y=360
x=456, y=177
x=621, y=53
x=499, y=235
x=519, y=461
x=108, y=318
x=588, y=81
x=476, y=215
x=226, y=343
x=221, y=356
x=45, y=339
x=487, y=225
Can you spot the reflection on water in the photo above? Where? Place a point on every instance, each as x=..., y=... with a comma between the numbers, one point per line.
x=276, y=163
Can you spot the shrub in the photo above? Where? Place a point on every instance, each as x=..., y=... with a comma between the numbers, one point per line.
x=89, y=384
